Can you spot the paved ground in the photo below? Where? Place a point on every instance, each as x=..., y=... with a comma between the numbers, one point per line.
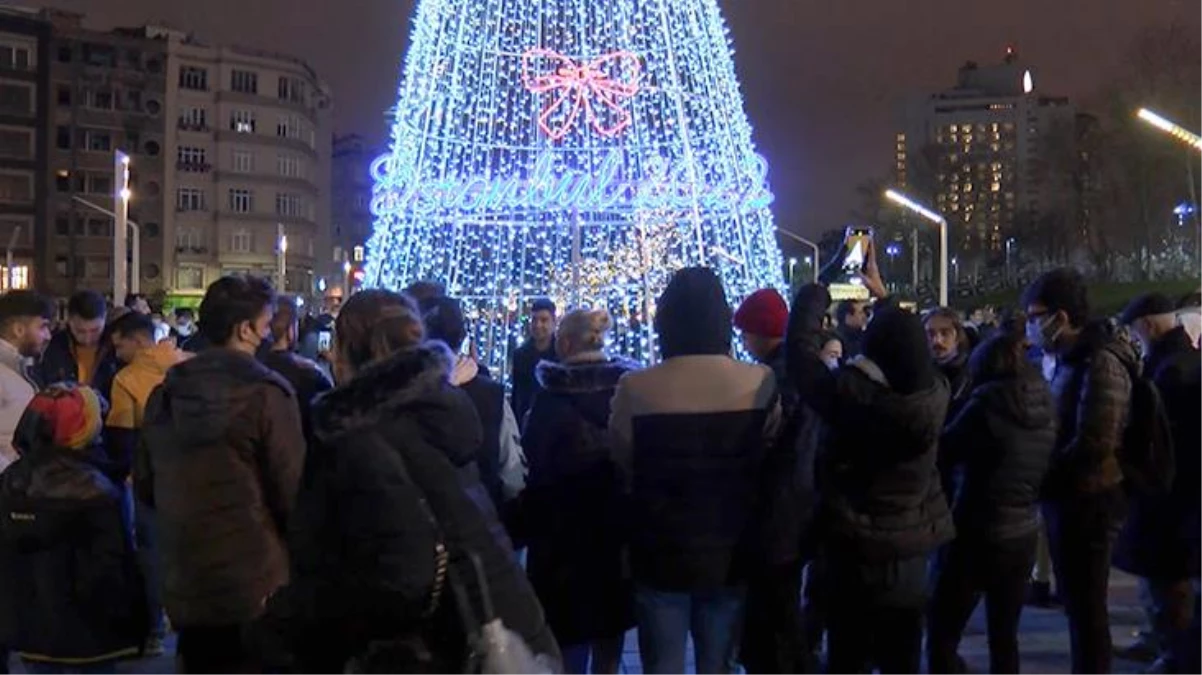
x=1043, y=639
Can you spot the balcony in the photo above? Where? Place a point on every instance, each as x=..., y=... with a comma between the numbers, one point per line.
x=185, y=125
x=192, y=250
x=194, y=167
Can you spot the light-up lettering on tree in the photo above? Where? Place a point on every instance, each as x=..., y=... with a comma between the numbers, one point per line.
x=581, y=150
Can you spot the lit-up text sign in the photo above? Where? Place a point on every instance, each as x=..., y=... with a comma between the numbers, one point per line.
x=549, y=187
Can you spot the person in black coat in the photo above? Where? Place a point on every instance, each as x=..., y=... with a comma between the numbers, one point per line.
x=573, y=501
x=881, y=506
x=306, y=378
x=73, y=595
x=391, y=518
x=1159, y=541
x=538, y=347
x=1002, y=439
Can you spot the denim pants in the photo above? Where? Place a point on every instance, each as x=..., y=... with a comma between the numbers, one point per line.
x=37, y=668
x=145, y=528
x=666, y=619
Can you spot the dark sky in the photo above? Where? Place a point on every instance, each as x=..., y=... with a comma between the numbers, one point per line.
x=822, y=78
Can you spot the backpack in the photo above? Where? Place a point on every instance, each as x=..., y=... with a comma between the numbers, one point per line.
x=1147, y=454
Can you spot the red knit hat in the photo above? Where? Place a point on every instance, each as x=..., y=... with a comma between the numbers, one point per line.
x=763, y=313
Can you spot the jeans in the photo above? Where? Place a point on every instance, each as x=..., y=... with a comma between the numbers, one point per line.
x=145, y=532
x=1171, y=613
x=1000, y=571
x=773, y=636
x=214, y=649
x=46, y=668
x=606, y=656
x=1081, y=537
x=876, y=613
x=665, y=619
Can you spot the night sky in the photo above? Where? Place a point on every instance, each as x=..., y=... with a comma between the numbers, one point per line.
x=822, y=78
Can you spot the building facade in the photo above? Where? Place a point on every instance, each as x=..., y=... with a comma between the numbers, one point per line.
x=249, y=139
x=351, y=219
x=981, y=152
x=228, y=146
x=24, y=101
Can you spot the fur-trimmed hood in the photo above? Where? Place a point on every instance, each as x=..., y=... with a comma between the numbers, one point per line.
x=412, y=383
x=582, y=377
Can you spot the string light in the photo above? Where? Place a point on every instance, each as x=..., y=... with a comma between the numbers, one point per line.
x=581, y=150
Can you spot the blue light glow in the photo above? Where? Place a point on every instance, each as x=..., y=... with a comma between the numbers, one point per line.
x=581, y=150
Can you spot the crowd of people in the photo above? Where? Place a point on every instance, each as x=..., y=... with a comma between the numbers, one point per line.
x=862, y=485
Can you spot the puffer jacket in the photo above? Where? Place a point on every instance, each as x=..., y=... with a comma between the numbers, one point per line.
x=879, y=488
x=1091, y=385
x=221, y=461
x=389, y=482
x=1003, y=440
x=69, y=576
x=1160, y=538
x=573, y=505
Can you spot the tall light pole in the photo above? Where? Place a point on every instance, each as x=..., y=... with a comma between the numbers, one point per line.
x=282, y=257
x=807, y=242
x=1009, y=249
x=792, y=264
x=911, y=205
x=1194, y=142
x=120, y=222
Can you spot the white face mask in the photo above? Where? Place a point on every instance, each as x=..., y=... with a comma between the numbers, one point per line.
x=831, y=363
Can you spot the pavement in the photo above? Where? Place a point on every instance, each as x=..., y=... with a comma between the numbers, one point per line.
x=1043, y=639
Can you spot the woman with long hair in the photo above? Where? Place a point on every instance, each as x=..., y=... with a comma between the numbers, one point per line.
x=573, y=501
x=1002, y=441
x=397, y=555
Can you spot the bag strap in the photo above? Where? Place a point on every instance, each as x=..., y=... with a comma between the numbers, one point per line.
x=441, y=554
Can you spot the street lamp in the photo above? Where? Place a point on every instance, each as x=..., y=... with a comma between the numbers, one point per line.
x=911, y=205
x=1009, y=251
x=792, y=264
x=121, y=198
x=807, y=242
x=1191, y=141
x=282, y=257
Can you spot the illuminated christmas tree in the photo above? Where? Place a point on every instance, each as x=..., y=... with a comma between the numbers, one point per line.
x=581, y=150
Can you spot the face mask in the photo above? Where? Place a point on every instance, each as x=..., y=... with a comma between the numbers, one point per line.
x=831, y=363
x=1044, y=333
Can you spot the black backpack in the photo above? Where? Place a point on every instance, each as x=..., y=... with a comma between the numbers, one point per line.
x=1147, y=454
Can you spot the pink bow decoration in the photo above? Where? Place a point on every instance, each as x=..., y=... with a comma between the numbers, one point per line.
x=591, y=86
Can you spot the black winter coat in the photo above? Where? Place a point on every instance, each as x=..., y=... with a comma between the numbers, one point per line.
x=1002, y=439
x=1160, y=537
x=525, y=359
x=879, y=491
x=306, y=378
x=364, y=549
x=68, y=571
x=573, y=503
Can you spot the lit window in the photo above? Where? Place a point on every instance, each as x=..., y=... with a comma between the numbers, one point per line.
x=995, y=187
x=358, y=254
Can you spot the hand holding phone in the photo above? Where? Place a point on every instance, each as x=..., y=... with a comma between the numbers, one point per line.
x=324, y=338
x=856, y=246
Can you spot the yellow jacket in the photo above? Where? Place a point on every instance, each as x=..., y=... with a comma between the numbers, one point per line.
x=134, y=383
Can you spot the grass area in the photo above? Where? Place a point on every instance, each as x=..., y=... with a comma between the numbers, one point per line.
x=1105, y=298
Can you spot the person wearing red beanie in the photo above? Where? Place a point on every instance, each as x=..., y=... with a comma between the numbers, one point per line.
x=762, y=319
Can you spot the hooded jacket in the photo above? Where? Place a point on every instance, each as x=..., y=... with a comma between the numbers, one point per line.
x=691, y=435
x=1092, y=388
x=573, y=505
x=16, y=390
x=390, y=480
x=1003, y=439
x=221, y=461
x=58, y=364
x=131, y=390
x=307, y=380
x=1160, y=538
x=880, y=496
x=69, y=576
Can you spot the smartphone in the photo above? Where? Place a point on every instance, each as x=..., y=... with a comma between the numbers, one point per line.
x=857, y=244
x=323, y=340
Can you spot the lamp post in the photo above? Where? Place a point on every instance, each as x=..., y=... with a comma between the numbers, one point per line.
x=1194, y=142
x=1009, y=251
x=807, y=242
x=281, y=258
x=120, y=219
x=136, y=253
x=792, y=264
x=911, y=205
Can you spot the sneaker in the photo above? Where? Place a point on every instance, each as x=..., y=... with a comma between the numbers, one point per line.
x=1143, y=650
x=1162, y=665
x=154, y=647
x=1039, y=594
